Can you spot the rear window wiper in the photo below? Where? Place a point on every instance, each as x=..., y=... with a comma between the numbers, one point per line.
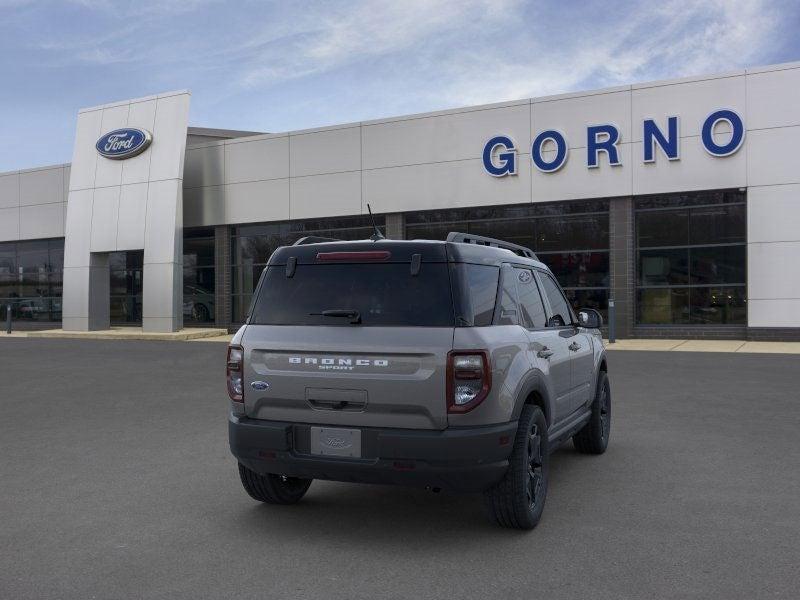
x=345, y=313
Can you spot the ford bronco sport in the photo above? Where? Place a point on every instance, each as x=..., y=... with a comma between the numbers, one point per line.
x=453, y=365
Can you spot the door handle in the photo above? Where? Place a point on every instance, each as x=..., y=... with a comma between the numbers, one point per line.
x=544, y=353
x=574, y=346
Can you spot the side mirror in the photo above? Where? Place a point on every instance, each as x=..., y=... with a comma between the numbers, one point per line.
x=590, y=318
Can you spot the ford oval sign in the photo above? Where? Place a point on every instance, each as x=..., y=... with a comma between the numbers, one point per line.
x=123, y=143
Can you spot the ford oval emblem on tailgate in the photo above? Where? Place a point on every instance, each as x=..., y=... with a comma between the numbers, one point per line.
x=259, y=385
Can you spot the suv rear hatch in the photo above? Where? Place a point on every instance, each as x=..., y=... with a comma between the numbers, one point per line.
x=351, y=334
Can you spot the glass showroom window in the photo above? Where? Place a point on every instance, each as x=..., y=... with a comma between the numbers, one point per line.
x=253, y=244
x=31, y=275
x=569, y=237
x=126, y=287
x=691, y=259
x=198, y=276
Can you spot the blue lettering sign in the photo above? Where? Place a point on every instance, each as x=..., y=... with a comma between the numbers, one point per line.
x=652, y=135
x=707, y=134
x=507, y=158
x=602, y=138
x=500, y=152
x=561, y=151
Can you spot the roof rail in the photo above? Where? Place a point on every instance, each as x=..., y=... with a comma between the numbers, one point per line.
x=479, y=240
x=313, y=239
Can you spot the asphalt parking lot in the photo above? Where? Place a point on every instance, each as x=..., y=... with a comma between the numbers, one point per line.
x=116, y=482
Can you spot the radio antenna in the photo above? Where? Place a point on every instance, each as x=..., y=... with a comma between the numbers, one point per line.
x=377, y=236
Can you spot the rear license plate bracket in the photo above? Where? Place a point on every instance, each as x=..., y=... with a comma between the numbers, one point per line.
x=335, y=441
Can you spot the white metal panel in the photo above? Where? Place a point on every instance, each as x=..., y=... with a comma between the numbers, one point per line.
x=79, y=218
x=773, y=99
x=575, y=180
x=572, y=115
x=772, y=270
x=780, y=312
x=84, y=156
x=257, y=160
x=75, y=303
x=325, y=195
x=105, y=217
x=9, y=190
x=132, y=212
x=773, y=156
x=696, y=170
x=773, y=213
x=109, y=171
x=169, y=137
x=691, y=101
x=157, y=292
x=204, y=166
x=257, y=201
x=43, y=186
x=141, y=115
x=328, y=151
x=65, y=177
x=443, y=185
x=204, y=206
x=441, y=138
x=41, y=221
x=9, y=224
x=162, y=232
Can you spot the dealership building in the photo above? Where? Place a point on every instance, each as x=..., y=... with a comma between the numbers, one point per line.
x=677, y=200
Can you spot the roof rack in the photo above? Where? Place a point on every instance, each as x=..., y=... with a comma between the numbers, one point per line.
x=313, y=239
x=479, y=240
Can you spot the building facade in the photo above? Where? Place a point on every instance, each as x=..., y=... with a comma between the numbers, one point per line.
x=677, y=200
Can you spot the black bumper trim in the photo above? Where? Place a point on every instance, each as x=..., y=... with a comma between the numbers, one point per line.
x=459, y=459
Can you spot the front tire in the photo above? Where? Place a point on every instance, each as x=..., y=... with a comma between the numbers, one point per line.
x=593, y=438
x=518, y=500
x=273, y=489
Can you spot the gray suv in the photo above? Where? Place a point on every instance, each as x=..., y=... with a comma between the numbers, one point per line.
x=454, y=365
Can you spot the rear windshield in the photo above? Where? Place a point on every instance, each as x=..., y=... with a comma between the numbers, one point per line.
x=383, y=294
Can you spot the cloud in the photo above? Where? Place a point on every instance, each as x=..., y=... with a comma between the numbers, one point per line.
x=276, y=65
x=326, y=39
x=667, y=41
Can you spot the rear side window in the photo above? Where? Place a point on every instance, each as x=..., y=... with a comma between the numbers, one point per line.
x=530, y=301
x=508, y=297
x=383, y=294
x=476, y=292
x=558, y=304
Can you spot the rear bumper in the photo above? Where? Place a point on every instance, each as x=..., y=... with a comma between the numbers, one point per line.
x=458, y=459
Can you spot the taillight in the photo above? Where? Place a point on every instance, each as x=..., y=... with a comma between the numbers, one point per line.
x=469, y=379
x=234, y=371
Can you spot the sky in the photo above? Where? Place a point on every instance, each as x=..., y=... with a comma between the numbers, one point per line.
x=283, y=65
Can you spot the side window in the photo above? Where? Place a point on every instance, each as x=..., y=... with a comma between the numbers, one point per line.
x=530, y=301
x=482, y=282
x=558, y=304
x=508, y=297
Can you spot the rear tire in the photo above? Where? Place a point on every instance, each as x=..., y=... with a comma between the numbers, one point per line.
x=593, y=438
x=273, y=489
x=518, y=500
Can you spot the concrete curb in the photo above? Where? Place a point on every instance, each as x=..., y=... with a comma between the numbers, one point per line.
x=730, y=346
x=123, y=333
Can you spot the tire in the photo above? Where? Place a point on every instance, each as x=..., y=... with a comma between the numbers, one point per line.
x=593, y=438
x=273, y=489
x=517, y=501
x=200, y=313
